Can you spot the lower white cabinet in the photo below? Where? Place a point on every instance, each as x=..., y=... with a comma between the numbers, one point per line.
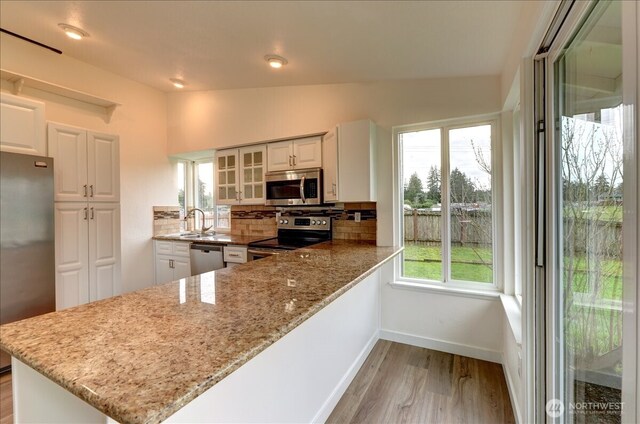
x=87, y=252
x=172, y=260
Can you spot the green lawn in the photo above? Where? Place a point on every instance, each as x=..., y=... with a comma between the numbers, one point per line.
x=468, y=263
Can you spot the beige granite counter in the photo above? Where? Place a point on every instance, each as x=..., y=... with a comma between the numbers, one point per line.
x=142, y=356
x=213, y=238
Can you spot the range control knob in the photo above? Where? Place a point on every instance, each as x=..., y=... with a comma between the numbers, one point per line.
x=286, y=221
x=324, y=222
x=313, y=222
x=282, y=221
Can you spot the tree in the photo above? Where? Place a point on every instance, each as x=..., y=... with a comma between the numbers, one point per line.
x=434, y=185
x=462, y=188
x=413, y=191
x=601, y=187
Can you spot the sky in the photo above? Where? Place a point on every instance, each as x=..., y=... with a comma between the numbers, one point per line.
x=421, y=150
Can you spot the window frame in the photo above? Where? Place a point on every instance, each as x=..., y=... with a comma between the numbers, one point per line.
x=496, y=205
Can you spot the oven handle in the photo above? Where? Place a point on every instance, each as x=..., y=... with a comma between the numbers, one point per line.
x=262, y=252
x=302, y=189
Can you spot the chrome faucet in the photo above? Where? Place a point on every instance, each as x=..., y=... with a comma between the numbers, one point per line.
x=203, y=229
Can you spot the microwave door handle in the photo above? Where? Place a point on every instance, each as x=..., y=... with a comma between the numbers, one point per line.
x=302, y=190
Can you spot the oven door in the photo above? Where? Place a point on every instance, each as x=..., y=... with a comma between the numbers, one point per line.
x=288, y=188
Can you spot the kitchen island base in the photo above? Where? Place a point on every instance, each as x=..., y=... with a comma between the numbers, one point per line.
x=299, y=378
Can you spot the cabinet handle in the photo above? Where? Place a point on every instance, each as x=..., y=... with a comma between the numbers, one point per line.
x=334, y=188
x=233, y=255
x=294, y=160
x=91, y=190
x=92, y=214
x=86, y=213
x=85, y=191
x=290, y=160
x=170, y=263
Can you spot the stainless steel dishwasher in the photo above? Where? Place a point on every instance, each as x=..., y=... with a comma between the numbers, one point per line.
x=205, y=258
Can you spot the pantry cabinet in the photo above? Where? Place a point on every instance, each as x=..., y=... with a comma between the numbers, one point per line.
x=87, y=252
x=240, y=175
x=86, y=166
x=172, y=260
x=295, y=154
x=349, y=158
x=22, y=126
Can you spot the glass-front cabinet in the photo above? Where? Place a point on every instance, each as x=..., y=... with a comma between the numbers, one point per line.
x=240, y=175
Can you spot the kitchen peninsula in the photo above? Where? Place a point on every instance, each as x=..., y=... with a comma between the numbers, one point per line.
x=273, y=340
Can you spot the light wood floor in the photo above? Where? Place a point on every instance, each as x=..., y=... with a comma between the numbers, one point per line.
x=6, y=405
x=399, y=383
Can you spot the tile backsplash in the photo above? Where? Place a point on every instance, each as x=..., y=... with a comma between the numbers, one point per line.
x=261, y=220
x=166, y=220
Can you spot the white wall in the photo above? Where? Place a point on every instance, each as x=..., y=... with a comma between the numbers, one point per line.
x=214, y=119
x=512, y=362
x=146, y=176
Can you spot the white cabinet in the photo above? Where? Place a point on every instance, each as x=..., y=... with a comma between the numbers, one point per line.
x=172, y=260
x=240, y=175
x=87, y=252
x=295, y=154
x=22, y=127
x=349, y=170
x=86, y=164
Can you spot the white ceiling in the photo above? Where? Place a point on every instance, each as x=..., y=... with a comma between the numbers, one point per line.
x=221, y=45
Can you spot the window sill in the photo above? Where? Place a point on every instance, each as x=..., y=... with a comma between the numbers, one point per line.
x=491, y=294
x=513, y=312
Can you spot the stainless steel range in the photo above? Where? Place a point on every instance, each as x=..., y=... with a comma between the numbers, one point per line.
x=293, y=233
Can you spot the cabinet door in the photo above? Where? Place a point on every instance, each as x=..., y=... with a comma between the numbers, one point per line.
x=68, y=148
x=72, y=260
x=104, y=250
x=103, y=167
x=252, y=169
x=307, y=153
x=279, y=156
x=181, y=268
x=22, y=126
x=164, y=272
x=330, y=165
x=227, y=177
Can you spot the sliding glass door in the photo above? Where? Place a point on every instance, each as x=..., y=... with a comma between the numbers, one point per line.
x=585, y=220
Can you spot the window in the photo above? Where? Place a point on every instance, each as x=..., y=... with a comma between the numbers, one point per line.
x=447, y=203
x=195, y=189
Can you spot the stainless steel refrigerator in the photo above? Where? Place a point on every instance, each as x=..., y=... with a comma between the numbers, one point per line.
x=27, y=250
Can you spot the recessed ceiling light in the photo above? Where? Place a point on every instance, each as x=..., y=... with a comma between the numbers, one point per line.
x=275, y=61
x=73, y=32
x=177, y=83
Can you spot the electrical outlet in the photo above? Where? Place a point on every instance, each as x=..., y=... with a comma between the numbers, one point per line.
x=358, y=215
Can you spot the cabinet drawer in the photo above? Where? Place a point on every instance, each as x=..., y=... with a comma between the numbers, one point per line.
x=235, y=254
x=164, y=247
x=181, y=248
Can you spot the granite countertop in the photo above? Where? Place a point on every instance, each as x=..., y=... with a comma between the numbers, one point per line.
x=213, y=238
x=142, y=356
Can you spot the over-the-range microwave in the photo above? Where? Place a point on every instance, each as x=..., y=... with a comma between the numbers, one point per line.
x=291, y=188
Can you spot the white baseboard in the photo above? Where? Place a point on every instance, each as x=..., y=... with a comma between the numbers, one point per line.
x=512, y=395
x=443, y=346
x=344, y=383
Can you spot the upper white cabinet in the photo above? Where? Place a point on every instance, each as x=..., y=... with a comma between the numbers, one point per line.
x=86, y=164
x=87, y=252
x=349, y=152
x=240, y=175
x=22, y=126
x=295, y=154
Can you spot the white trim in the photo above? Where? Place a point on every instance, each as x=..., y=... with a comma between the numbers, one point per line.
x=446, y=289
x=443, y=346
x=333, y=399
x=513, y=314
x=512, y=395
